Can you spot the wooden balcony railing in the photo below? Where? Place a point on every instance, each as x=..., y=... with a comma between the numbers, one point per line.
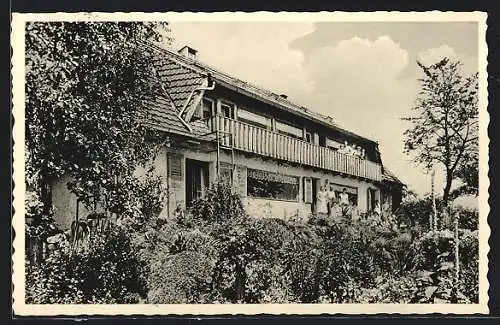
x=250, y=138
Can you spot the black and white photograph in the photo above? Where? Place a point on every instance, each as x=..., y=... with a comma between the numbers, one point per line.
x=220, y=163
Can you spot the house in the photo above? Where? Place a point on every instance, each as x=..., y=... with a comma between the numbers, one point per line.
x=275, y=153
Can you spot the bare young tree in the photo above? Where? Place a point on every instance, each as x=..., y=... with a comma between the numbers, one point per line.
x=444, y=130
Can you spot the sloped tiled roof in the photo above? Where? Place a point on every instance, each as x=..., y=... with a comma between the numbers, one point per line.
x=200, y=128
x=162, y=115
x=177, y=80
x=388, y=176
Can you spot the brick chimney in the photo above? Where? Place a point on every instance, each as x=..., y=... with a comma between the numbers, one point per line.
x=188, y=52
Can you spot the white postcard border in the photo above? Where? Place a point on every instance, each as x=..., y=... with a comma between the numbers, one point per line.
x=18, y=277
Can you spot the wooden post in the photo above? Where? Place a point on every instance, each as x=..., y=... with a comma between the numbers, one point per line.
x=456, y=278
x=434, y=210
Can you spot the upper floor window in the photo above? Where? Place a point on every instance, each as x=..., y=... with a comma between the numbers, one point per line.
x=207, y=108
x=289, y=130
x=332, y=144
x=227, y=110
x=253, y=118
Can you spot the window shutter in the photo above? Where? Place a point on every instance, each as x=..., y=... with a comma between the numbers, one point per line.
x=175, y=167
x=369, y=197
x=175, y=180
x=307, y=190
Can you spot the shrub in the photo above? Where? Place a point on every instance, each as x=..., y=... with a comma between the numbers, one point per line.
x=469, y=264
x=342, y=273
x=391, y=289
x=182, y=277
x=469, y=218
x=215, y=253
x=181, y=265
x=219, y=206
x=109, y=271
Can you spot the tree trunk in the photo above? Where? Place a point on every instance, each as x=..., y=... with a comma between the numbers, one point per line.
x=447, y=188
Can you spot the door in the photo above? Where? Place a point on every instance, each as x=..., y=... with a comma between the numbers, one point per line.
x=196, y=179
x=372, y=198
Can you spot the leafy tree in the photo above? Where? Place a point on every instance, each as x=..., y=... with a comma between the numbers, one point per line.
x=86, y=85
x=468, y=173
x=445, y=128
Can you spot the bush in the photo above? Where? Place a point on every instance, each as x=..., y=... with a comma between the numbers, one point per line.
x=215, y=253
x=469, y=264
x=391, y=289
x=181, y=266
x=469, y=219
x=188, y=255
x=219, y=206
x=108, y=271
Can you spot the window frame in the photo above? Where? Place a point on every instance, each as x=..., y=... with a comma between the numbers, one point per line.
x=297, y=136
x=231, y=109
x=267, y=126
x=340, y=186
x=212, y=108
x=296, y=199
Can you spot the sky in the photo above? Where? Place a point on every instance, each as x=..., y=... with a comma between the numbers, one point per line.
x=364, y=74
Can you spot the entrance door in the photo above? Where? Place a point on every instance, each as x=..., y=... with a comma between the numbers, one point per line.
x=196, y=179
x=371, y=199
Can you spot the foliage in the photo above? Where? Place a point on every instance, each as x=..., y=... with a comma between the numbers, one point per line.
x=201, y=257
x=433, y=255
x=101, y=261
x=468, y=173
x=108, y=271
x=469, y=218
x=444, y=130
x=391, y=289
x=415, y=213
x=220, y=205
x=34, y=210
x=85, y=84
x=469, y=264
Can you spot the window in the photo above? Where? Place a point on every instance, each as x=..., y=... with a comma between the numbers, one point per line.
x=254, y=119
x=352, y=192
x=332, y=144
x=289, y=130
x=207, y=108
x=268, y=185
x=226, y=110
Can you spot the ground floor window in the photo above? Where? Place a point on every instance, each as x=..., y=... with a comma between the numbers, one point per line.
x=352, y=192
x=269, y=185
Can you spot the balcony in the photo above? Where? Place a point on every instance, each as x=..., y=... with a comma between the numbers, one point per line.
x=271, y=144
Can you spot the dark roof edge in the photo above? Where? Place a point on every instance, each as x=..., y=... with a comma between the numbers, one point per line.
x=185, y=134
